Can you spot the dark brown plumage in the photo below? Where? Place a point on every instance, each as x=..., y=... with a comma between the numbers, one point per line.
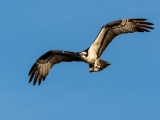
x=91, y=55
x=41, y=68
x=111, y=30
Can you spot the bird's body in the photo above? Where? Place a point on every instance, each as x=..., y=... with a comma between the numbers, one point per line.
x=92, y=54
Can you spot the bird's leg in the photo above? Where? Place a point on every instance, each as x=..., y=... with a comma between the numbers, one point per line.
x=95, y=67
x=96, y=64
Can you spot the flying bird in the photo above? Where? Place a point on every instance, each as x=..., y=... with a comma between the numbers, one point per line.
x=91, y=55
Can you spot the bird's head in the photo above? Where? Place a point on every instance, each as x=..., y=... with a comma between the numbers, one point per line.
x=83, y=54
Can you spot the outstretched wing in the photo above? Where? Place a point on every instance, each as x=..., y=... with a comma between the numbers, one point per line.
x=42, y=66
x=111, y=30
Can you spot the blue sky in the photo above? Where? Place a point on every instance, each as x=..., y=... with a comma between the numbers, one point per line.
x=129, y=89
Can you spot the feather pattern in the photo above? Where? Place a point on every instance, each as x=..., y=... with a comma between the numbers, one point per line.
x=91, y=55
x=42, y=66
x=111, y=30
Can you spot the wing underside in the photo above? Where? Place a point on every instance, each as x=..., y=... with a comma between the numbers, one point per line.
x=111, y=30
x=42, y=66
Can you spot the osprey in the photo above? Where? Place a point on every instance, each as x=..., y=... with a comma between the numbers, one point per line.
x=91, y=55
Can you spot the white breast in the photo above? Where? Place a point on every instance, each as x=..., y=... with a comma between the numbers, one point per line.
x=92, y=56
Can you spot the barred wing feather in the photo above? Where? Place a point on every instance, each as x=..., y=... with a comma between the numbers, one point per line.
x=42, y=66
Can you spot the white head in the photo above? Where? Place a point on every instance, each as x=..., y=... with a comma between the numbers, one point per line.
x=83, y=55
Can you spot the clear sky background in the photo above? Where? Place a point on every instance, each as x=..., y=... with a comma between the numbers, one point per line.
x=129, y=89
